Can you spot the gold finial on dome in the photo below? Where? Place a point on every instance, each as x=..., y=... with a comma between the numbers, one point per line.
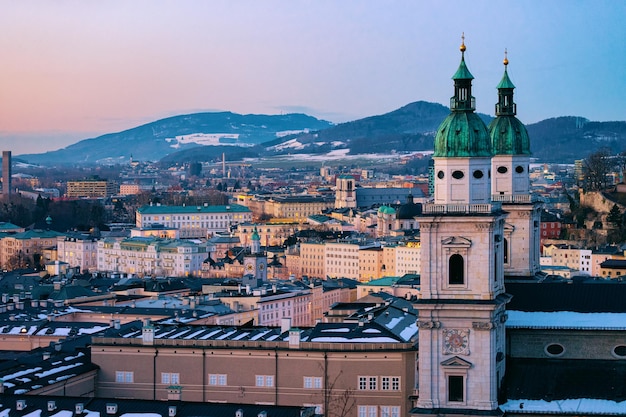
x=506, y=60
x=462, y=47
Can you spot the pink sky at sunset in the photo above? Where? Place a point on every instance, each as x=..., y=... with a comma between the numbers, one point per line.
x=77, y=69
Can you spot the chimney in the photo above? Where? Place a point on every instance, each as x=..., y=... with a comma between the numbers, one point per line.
x=147, y=333
x=111, y=408
x=294, y=338
x=285, y=324
x=20, y=405
x=171, y=411
x=52, y=406
x=78, y=408
x=174, y=393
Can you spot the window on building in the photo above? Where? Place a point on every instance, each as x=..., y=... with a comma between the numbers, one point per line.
x=168, y=378
x=124, y=377
x=455, y=388
x=217, y=379
x=368, y=411
x=265, y=380
x=455, y=270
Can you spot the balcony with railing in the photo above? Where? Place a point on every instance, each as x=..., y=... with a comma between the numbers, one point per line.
x=516, y=198
x=482, y=208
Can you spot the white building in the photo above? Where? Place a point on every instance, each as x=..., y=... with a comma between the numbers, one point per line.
x=194, y=221
x=151, y=256
x=78, y=250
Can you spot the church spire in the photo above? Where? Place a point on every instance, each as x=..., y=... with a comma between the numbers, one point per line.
x=462, y=100
x=505, y=105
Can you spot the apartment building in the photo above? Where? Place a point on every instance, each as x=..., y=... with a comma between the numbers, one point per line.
x=312, y=259
x=194, y=221
x=91, y=188
x=408, y=258
x=574, y=258
x=296, y=208
x=151, y=256
x=78, y=250
x=342, y=259
x=370, y=263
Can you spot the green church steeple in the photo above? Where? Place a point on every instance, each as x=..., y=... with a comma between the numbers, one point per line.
x=462, y=133
x=508, y=135
x=505, y=105
x=462, y=100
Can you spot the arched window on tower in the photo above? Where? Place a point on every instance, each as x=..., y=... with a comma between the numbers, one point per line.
x=456, y=273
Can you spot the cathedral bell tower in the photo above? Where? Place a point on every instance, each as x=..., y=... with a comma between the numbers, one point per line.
x=462, y=298
x=510, y=183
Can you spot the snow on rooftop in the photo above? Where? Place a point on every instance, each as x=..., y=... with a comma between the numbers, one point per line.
x=566, y=320
x=409, y=331
x=339, y=330
x=393, y=322
x=208, y=335
x=578, y=406
x=259, y=335
x=94, y=329
x=226, y=335
x=57, y=370
x=241, y=336
x=371, y=331
x=354, y=340
x=63, y=413
x=194, y=334
x=20, y=373
x=69, y=358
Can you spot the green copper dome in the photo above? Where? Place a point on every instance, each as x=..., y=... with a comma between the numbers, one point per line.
x=255, y=235
x=462, y=134
x=386, y=210
x=509, y=136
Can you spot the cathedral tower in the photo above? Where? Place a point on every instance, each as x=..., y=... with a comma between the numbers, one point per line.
x=462, y=298
x=510, y=183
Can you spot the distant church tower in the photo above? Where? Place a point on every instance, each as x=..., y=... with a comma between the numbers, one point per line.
x=510, y=184
x=255, y=262
x=462, y=298
x=345, y=192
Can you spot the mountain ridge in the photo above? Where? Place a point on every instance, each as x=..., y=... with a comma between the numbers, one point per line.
x=412, y=127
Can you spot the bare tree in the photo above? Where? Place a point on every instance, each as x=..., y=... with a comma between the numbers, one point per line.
x=597, y=166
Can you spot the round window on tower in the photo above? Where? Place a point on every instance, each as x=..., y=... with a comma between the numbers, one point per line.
x=457, y=175
x=555, y=349
x=440, y=175
x=502, y=170
x=478, y=174
x=519, y=169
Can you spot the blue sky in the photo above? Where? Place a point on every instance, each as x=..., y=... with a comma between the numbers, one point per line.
x=75, y=69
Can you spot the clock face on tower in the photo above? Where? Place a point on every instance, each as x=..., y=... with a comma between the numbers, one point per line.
x=261, y=267
x=249, y=267
x=455, y=341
